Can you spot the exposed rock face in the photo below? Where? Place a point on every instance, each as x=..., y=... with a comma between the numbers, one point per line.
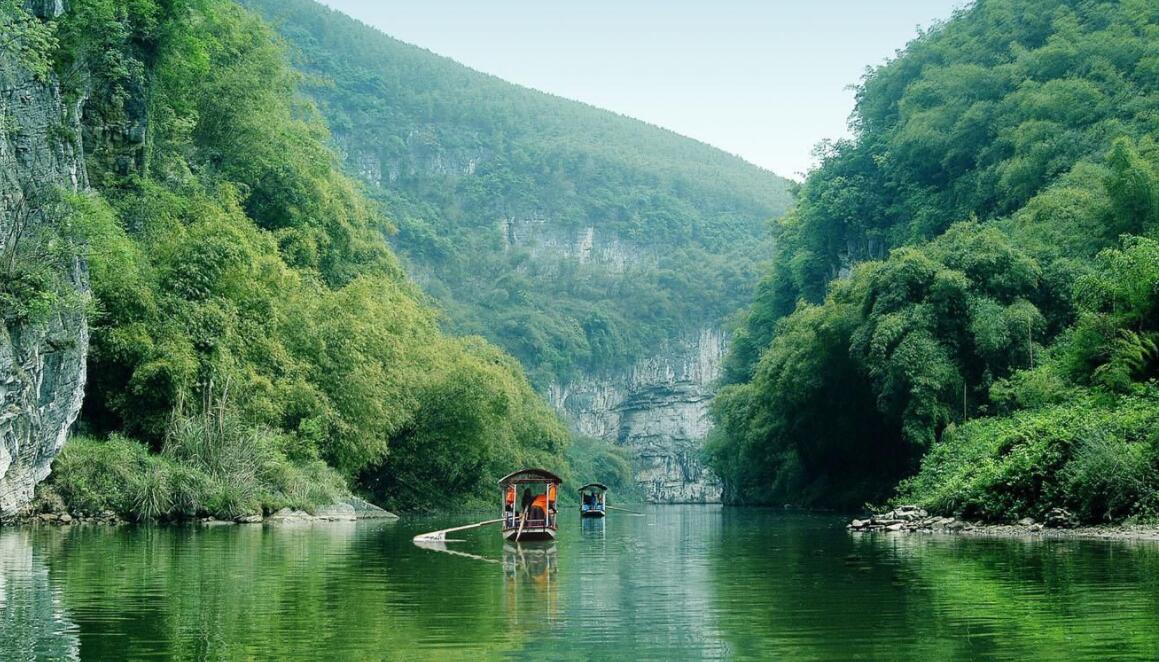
x=659, y=409
x=363, y=509
x=537, y=235
x=422, y=155
x=42, y=363
x=45, y=8
x=856, y=251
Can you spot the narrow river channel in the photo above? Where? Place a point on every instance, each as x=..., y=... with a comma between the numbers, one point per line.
x=682, y=582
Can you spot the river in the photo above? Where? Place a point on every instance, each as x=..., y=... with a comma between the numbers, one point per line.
x=682, y=582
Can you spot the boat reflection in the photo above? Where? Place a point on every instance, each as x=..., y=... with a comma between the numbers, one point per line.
x=532, y=584
x=593, y=528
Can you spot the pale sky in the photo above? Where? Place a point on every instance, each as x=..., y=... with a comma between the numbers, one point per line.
x=764, y=79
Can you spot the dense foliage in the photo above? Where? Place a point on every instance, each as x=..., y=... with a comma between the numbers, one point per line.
x=969, y=273
x=254, y=341
x=494, y=188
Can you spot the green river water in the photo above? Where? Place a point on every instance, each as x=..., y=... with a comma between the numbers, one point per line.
x=682, y=582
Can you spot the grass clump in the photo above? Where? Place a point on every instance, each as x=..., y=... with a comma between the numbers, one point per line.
x=209, y=466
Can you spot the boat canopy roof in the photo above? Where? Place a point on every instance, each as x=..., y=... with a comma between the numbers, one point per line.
x=594, y=486
x=530, y=476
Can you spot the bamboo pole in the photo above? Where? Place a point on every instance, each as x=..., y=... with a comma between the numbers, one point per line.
x=441, y=536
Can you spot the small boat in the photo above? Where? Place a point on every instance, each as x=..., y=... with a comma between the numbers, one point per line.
x=592, y=500
x=529, y=504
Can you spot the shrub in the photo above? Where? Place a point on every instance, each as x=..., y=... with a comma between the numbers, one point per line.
x=1094, y=456
x=95, y=475
x=210, y=465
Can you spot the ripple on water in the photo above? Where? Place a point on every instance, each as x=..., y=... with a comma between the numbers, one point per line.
x=685, y=582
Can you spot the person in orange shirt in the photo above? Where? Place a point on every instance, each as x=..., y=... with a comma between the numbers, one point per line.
x=509, y=503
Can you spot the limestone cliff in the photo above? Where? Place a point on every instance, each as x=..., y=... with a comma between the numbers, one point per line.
x=659, y=409
x=42, y=358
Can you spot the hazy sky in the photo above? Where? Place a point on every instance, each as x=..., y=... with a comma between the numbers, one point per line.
x=762, y=79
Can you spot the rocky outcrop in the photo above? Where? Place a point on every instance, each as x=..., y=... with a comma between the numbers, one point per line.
x=915, y=519
x=586, y=245
x=422, y=154
x=363, y=509
x=857, y=250
x=908, y=518
x=42, y=359
x=348, y=510
x=659, y=409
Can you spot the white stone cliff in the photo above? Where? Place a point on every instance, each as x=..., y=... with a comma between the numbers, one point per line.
x=42, y=363
x=659, y=409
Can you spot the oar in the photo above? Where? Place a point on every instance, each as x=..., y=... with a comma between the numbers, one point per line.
x=632, y=512
x=522, y=521
x=441, y=536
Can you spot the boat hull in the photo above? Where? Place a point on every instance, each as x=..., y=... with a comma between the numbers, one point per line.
x=529, y=534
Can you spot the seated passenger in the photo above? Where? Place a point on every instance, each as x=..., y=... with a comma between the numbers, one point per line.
x=538, y=508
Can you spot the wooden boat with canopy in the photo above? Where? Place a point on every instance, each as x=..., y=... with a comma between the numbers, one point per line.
x=529, y=504
x=592, y=500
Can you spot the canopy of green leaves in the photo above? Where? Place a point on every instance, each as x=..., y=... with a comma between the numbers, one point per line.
x=234, y=268
x=979, y=258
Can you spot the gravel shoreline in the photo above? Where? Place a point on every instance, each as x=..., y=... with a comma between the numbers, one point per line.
x=1059, y=524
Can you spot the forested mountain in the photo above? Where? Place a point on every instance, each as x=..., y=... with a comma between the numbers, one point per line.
x=973, y=279
x=575, y=238
x=255, y=343
x=602, y=252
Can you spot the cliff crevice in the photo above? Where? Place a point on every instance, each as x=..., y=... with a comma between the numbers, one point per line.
x=43, y=332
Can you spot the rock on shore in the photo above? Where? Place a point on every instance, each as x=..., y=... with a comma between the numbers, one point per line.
x=908, y=518
x=913, y=518
x=363, y=509
x=1057, y=523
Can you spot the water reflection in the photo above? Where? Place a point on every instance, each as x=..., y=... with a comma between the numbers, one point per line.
x=802, y=587
x=1017, y=598
x=531, y=572
x=681, y=583
x=442, y=547
x=593, y=527
x=638, y=587
x=33, y=620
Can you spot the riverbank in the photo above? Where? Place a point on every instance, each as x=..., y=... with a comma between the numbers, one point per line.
x=349, y=509
x=1057, y=524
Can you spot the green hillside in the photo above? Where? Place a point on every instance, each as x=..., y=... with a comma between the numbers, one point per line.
x=255, y=343
x=494, y=188
x=994, y=319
